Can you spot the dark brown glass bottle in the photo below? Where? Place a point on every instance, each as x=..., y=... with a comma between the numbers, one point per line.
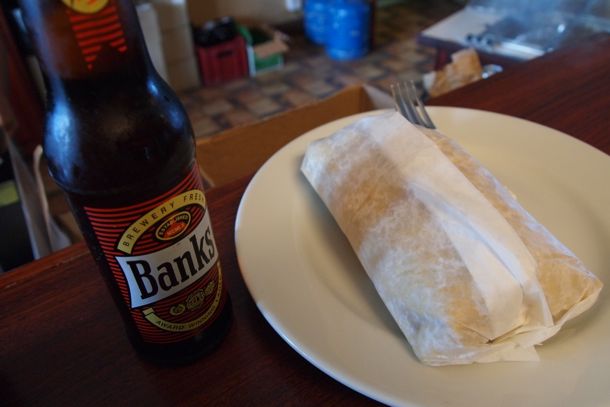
x=119, y=143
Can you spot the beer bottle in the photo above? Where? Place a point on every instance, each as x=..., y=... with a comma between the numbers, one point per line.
x=119, y=144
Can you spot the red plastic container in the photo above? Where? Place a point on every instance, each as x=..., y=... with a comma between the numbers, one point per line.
x=223, y=62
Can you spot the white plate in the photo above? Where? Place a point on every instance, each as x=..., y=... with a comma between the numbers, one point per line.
x=309, y=285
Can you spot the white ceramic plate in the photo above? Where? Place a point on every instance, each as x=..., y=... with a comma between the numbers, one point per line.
x=309, y=285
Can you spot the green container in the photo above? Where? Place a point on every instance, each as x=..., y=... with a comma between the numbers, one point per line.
x=256, y=65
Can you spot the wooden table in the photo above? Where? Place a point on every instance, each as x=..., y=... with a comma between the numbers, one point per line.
x=62, y=342
x=568, y=90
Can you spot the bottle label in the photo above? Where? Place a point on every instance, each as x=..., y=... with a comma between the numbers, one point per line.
x=164, y=260
x=86, y=6
x=96, y=26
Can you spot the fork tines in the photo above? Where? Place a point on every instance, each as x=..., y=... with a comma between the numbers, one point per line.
x=410, y=105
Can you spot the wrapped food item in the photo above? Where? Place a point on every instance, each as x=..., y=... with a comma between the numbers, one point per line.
x=466, y=272
x=464, y=68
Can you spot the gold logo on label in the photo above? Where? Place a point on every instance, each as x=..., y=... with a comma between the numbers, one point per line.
x=156, y=215
x=177, y=309
x=195, y=300
x=153, y=318
x=86, y=6
x=174, y=226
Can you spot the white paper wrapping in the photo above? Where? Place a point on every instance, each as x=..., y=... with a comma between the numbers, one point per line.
x=466, y=272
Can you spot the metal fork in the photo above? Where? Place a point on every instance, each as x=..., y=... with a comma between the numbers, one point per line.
x=409, y=104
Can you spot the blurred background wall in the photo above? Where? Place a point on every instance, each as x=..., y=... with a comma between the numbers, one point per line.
x=267, y=11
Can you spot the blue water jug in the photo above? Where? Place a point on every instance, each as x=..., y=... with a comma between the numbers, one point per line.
x=315, y=18
x=348, y=34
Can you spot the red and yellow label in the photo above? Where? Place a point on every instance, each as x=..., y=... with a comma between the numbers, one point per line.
x=96, y=25
x=86, y=6
x=164, y=259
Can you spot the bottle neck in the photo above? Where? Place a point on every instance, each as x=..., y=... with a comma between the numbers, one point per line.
x=79, y=41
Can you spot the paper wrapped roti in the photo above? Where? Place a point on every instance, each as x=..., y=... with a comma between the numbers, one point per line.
x=466, y=272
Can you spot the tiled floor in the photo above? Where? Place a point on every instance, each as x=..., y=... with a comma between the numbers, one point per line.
x=309, y=74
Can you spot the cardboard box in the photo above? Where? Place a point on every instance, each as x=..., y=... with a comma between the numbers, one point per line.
x=149, y=22
x=183, y=74
x=265, y=48
x=172, y=13
x=177, y=43
x=240, y=151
